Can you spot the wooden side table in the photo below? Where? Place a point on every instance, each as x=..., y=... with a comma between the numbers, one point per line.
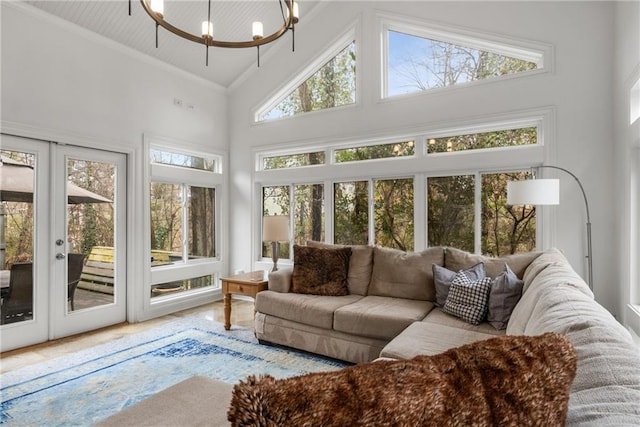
x=248, y=284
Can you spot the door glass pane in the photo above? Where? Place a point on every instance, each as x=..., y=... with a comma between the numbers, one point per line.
x=393, y=213
x=16, y=236
x=351, y=213
x=201, y=222
x=90, y=233
x=450, y=221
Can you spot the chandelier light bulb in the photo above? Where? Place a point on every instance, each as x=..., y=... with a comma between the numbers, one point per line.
x=257, y=30
x=296, y=13
x=207, y=29
x=158, y=6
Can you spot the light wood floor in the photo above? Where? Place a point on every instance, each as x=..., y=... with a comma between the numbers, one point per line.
x=241, y=315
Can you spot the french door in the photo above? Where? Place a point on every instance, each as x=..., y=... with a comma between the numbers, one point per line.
x=63, y=228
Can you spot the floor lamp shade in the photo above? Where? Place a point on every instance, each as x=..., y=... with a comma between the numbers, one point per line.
x=533, y=192
x=275, y=228
x=547, y=192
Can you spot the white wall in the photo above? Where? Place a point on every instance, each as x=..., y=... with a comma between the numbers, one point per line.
x=56, y=75
x=579, y=89
x=627, y=140
x=63, y=83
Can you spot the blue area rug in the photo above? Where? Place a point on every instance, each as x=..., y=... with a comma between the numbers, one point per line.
x=90, y=385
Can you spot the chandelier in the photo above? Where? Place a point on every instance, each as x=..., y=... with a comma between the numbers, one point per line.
x=288, y=10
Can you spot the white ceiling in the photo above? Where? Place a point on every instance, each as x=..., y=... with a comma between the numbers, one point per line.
x=231, y=20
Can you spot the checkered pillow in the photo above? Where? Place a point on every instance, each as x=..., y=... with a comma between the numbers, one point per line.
x=468, y=299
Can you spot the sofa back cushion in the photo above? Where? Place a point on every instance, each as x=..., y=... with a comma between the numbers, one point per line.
x=360, y=265
x=456, y=260
x=546, y=271
x=402, y=274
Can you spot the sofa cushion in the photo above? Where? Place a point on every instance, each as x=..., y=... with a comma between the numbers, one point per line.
x=430, y=338
x=456, y=259
x=501, y=381
x=439, y=317
x=313, y=310
x=379, y=317
x=606, y=389
x=555, y=272
x=320, y=271
x=506, y=291
x=442, y=278
x=402, y=274
x=468, y=299
x=360, y=265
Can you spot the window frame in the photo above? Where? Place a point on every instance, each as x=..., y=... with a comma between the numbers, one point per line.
x=330, y=52
x=420, y=167
x=528, y=50
x=188, y=268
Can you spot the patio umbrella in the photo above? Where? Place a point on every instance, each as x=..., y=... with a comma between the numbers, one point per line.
x=16, y=185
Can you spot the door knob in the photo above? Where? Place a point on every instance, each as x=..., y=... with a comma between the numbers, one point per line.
x=60, y=256
x=59, y=242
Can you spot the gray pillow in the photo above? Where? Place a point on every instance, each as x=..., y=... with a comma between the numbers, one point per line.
x=505, y=294
x=443, y=278
x=468, y=299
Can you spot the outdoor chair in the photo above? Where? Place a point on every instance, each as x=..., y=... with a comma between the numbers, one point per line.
x=18, y=304
x=75, y=263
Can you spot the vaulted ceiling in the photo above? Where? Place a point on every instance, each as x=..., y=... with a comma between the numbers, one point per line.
x=231, y=21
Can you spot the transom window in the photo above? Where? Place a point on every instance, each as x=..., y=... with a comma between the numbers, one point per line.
x=475, y=141
x=422, y=56
x=327, y=83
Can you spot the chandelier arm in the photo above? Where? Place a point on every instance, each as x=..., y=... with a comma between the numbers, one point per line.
x=218, y=43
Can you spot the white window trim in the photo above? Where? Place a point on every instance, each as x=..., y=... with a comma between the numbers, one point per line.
x=334, y=48
x=420, y=166
x=533, y=51
x=153, y=307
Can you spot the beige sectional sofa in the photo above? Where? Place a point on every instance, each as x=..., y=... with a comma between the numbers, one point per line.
x=391, y=312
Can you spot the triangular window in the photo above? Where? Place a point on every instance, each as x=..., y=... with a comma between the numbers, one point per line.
x=420, y=59
x=331, y=85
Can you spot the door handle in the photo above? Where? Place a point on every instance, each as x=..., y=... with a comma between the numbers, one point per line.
x=60, y=255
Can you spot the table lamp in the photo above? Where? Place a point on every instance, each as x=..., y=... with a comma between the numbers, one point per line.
x=275, y=229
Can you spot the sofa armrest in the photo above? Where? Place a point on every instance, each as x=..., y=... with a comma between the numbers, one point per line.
x=280, y=280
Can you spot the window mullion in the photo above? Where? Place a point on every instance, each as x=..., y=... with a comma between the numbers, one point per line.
x=372, y=221
x=477, y=218
x=185, y=223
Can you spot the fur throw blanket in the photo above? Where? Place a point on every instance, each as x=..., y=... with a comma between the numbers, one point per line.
x=507, y=381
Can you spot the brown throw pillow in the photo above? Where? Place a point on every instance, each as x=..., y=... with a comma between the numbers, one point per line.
x=508, y=380
x=320, y=271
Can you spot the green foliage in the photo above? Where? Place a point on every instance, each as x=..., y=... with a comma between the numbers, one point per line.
x=370, y=152
x=451, y=211
x=333, y=85
x=393, y=213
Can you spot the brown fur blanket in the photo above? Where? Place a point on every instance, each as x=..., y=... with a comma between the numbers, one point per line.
x=505, y=381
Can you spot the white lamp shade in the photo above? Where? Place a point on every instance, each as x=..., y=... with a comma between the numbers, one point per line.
x=533, y=192
x=275, y=228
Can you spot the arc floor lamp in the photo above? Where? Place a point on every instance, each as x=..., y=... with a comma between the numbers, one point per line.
x=547, y=192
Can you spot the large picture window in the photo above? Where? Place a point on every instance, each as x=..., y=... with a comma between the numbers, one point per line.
x=410, y=202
